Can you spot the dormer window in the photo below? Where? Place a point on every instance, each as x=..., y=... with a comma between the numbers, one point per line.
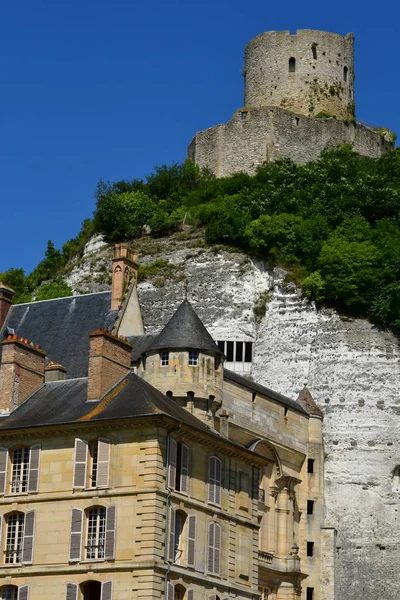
x=193, y=358
x=164, y=359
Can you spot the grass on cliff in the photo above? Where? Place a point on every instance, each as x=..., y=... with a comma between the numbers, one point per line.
x=334, y=223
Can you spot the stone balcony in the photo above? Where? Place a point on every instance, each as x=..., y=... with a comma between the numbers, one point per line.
x=270, y=562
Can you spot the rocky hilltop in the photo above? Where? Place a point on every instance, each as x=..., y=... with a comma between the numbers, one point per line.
x=351, y=368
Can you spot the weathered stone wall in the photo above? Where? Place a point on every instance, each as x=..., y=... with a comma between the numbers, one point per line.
x=257, y=135
x=322, y=79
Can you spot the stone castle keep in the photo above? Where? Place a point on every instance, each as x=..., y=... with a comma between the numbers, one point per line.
x=298, y=100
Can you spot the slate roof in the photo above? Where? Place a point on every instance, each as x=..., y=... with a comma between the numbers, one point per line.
x=62, y=402
x=140, y=344
x=308, y=403
x=185, y=330
x=263, y=391
x=62, y=326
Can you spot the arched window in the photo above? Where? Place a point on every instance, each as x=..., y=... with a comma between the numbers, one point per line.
x=10, y=592
x=345, y=71
x=99, y=540
x=178, y=592
x=89, y=590
x=19, y=537
x=292, y=64
x=182, y=538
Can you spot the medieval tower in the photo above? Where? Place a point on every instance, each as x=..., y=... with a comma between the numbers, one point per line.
x=298, y=100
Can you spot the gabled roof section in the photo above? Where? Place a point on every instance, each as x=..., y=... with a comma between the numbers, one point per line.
x=63, y=402
x=185, y=330
x=62, y=326
x=308, y=403
x=263, y=391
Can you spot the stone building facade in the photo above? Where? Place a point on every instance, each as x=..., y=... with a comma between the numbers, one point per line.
x=142, y=468
x=298, y=100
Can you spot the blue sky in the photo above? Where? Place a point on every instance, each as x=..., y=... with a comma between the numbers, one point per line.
x=108, y=89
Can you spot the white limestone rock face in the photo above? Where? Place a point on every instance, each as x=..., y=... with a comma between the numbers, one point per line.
x=352, y=370
x=92, y=271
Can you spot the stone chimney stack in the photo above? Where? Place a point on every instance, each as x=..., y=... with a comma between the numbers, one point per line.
x=54, y=372
x=125, y=267
x=109, y=361
x=21, y=371
x=6, y=296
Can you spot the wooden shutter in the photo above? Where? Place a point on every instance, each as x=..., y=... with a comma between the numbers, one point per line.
x=170, y=592
x=184, y=475
x=106, y=590
x=217, y=548
x=23, y=592
x=34, y=463
x=210, y=552
x=72, y=591
x=3, y=469
x=190, y=594
x=211, y=479
x=75, y=546
x=218, y=474
x=29, y=533
x=191, y=541
x=109, y=550
x=172, y=463
x=171, y=544
x=80, y=467
x=103, y=463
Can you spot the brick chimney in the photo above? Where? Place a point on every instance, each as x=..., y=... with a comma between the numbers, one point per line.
x=21, y=371
x=109, y=361
x=125, y=267
x=55, y=372
x=6, y=296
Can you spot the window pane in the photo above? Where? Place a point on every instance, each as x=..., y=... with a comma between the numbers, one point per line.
x=94, y=453
x=96, y=532
x=20, y=467
x=15, y=532
x=239, y=351
x=229, y=351
x=248, y=356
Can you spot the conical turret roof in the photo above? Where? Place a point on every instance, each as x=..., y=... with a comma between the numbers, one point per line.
x=185, y=330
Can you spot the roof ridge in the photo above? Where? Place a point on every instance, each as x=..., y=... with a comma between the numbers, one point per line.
x=62, y=298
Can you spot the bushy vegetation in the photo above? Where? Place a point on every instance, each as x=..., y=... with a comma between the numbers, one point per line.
x=334, y=224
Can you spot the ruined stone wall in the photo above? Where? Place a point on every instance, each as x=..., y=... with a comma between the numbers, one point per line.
x=319, y=79
x=257, y=135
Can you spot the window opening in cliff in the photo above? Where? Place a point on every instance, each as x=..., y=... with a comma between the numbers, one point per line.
x=310, y=594
x=292, y=64
x=396, y=479
x=314, y=51
x=310, y=507
x=345, y=71
x=239, y=355
x=310, y=465
x=310, y=548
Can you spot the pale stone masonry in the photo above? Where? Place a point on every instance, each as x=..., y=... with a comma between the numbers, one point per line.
x=298, y=101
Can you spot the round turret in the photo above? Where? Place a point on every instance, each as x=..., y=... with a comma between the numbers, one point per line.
x=308, y=73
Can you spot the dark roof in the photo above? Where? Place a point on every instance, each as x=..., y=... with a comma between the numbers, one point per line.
x=185, y=330
x=61, y=402
x=308, y=402
x=140, y=343
x=264, y=391
x=62, y=326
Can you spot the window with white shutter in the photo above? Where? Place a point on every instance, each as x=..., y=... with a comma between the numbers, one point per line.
x=111, y=521
x=173, y=447
x=106, y=590
x=191, y=545
x=103, y=464
x=184, y=469
x=214, y=548
x=80, y=466
x=171, y=541
x=72, y=591
x=3, y=469
x=29, y=534
x=190, y=594
x=75, y=547
x=170, y=591
x=23, y=592
x=34, y=464
x=214, y=480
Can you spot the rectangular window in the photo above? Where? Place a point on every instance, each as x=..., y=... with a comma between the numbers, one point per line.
x=20, y=470
x=310, y=548
x=229, y=351
x=15, y=536
x=248, y=355
x=310, y=465
x=164, y=359
x=193, y=358
x=221, y=345
x=94, y=454
x=310, y=594
x=239, y=351
x=310, y=507
x=96, y=533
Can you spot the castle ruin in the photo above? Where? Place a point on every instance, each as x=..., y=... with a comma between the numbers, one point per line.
x=298, y=100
